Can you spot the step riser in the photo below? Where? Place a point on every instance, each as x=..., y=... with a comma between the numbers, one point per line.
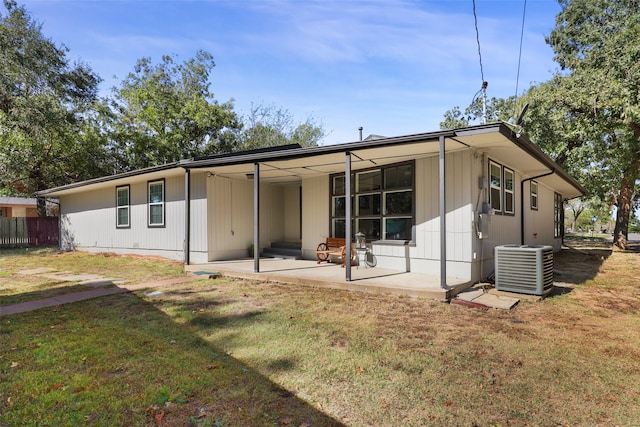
x=286, y=245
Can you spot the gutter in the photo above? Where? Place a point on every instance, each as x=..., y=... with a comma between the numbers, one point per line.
x=553, y=170
x=298, y=153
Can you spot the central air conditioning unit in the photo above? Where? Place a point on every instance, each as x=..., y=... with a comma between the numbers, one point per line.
x=524, y=269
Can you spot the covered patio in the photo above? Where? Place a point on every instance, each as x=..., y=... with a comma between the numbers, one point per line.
x=330, y=275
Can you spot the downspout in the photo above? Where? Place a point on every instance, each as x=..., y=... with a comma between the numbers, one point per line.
x=522, y=200
x=443, y=219
x=256, y=218
x=187, y=216
x=347, y=232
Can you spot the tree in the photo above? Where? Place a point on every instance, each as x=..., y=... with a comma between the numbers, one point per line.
x=595, y=97
x=269, y=126
x=44, y=101
x=165, y=112
x=497, y=109
x=577, y=207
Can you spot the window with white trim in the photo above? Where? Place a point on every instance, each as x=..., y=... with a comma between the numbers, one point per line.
x=534, y=195
x=122, y=206
x=156, y=203
x=495, y=187
x=508, y=191
x=382, y=203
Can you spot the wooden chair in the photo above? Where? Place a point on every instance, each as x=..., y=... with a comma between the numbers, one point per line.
x=334, y=246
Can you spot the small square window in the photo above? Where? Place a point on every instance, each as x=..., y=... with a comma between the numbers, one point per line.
x=534, y=195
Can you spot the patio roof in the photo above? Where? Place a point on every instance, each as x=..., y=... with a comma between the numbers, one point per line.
x=290, y=164
x=495, y=139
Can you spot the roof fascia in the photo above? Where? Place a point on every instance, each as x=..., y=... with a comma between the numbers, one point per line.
x=298, y=153
x=524, y=143
x=102, y=179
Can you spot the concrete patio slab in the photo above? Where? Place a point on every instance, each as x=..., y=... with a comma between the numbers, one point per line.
x=328, y=275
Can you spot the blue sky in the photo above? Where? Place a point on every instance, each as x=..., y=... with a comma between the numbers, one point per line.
x=391, y=66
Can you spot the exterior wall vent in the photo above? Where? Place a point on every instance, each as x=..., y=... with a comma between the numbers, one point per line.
x=524, y=269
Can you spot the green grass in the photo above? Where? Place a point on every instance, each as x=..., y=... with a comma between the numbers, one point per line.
x=16, y=288
x=233, y=352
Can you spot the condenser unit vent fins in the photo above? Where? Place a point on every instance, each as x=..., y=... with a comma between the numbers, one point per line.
x=524, y=269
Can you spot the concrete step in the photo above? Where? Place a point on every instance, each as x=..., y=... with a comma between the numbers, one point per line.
x=285, y=250
x=282, y=253
x=287, y=245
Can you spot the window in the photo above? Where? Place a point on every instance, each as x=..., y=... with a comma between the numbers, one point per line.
x=382, y=203
x=508, y=191
x=156, y=203
x=122, y=207
x=495, y=192
x=534, y=195
x=558, y=215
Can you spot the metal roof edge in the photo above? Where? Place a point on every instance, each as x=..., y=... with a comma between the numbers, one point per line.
x=315, y=151
x=108, y=178
x=535, y=151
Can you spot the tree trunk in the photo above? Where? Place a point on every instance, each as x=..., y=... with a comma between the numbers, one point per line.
x=624, y=207
x=42, y=206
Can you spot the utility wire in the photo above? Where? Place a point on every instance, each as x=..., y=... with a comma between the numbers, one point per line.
x=475, y=17
x=524, y=11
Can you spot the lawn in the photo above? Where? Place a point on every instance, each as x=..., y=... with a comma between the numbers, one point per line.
x=229, y=352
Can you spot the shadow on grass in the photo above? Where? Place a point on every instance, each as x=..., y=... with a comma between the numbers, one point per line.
x=579, y=260
x=54, y=289
x=166, y=374
x=210, y=321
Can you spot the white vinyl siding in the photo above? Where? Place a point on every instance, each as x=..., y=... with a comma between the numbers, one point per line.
x=315, y=214
x=230, y=216
x=82, y=211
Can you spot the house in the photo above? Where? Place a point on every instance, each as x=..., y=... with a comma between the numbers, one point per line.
x=415, y=197
x=18, y=207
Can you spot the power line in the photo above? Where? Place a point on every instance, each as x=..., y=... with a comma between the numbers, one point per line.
x=475, y=17
x=524, y=11
x=484, y=82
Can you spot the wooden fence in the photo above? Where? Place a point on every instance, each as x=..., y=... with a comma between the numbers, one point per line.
x=36, y=231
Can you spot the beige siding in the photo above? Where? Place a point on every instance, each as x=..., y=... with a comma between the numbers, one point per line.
x=539, y=227
x=425, y=254
x=292, y=213
x=272, y=214
x=315, y=214
x=230, y=216
x=198, y=211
